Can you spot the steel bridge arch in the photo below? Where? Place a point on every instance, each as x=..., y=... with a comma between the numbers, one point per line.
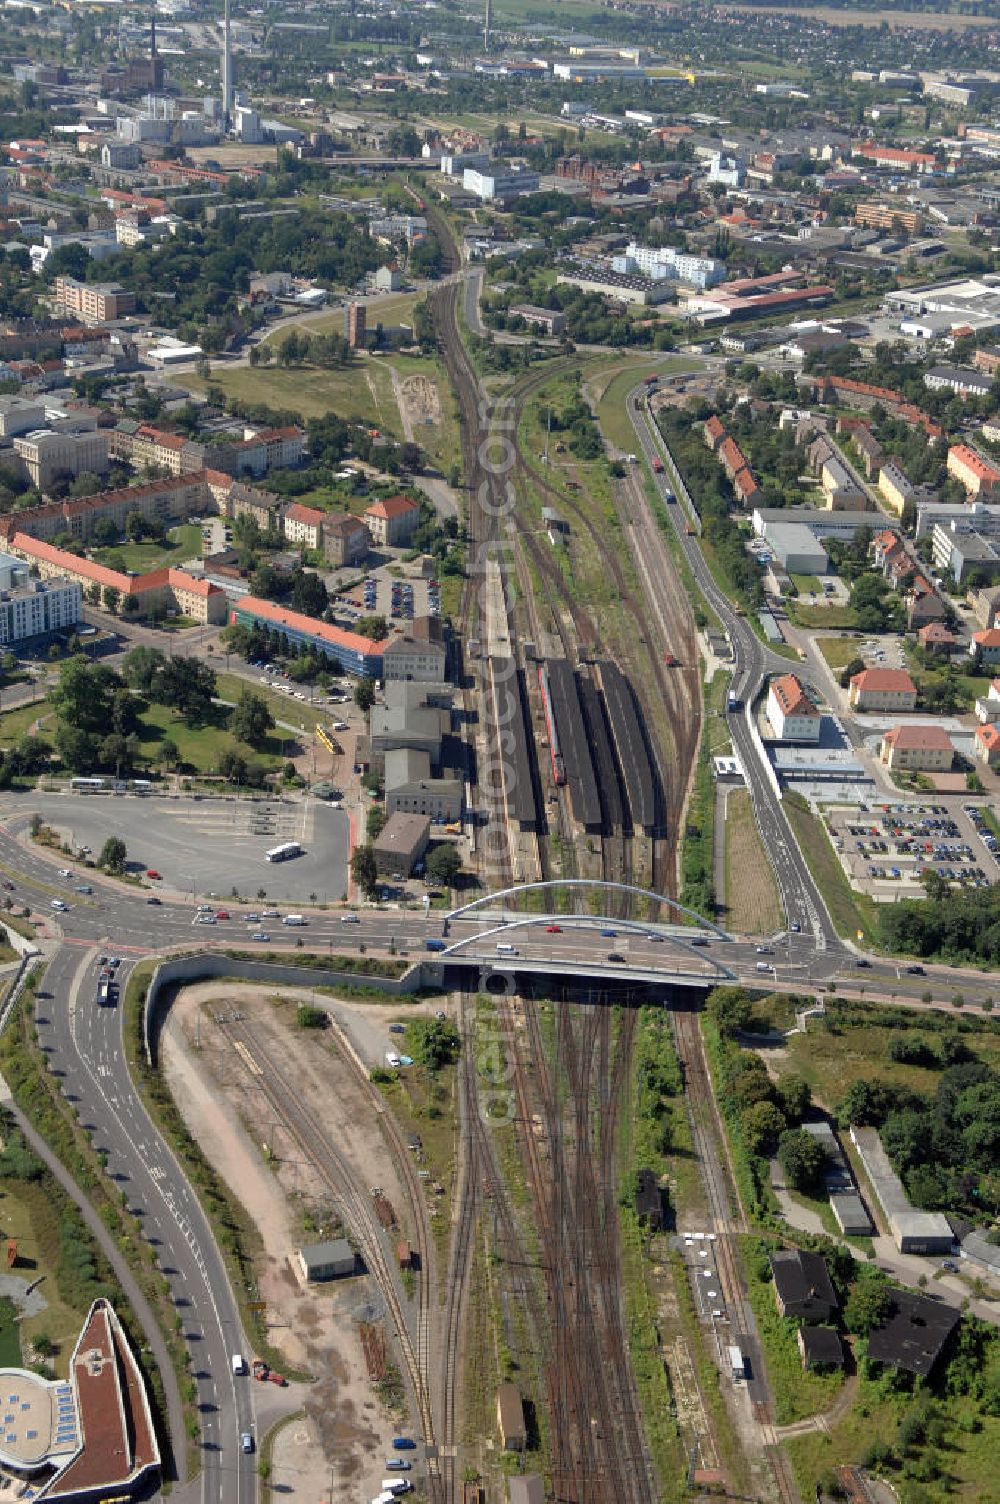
x=585, y=882
x=569, y=922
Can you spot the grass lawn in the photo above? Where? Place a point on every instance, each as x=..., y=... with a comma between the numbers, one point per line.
x=611, y=415
x=308, y=391
x=200, y=746
x=850, y=911
x=27, y=1215
x=851, y=1042
x=807, y=585
x=439, y=438
x=183, y=542
x=283, y=707
x=15, y=724
x=10, y=1339
x=966, y=1457
x=752, y=903
x=804, y=615
x=838, y=651
x=395, y=308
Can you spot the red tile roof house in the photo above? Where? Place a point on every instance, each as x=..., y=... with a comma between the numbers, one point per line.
x=917, y=749
x=714, y=432
x=985, y=646
x=987, y=746
x=883, y=689
x=393, y=522
x=936, y=638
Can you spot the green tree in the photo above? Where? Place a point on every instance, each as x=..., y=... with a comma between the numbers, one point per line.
x=762, y=1125
x=793, y=1097
x=105, y=533
x=251, y=719
x=432, y=1042
x=187, y=686
x=113, y=855
x=802, y=1160
x=135, y=526
x=444, y=863
x=364, y=694
x=233, y=766
x=363, y=868
x=111, y=596
x=168, y=753
x=141, y=666
x=730, y=1009
x=867, y=1306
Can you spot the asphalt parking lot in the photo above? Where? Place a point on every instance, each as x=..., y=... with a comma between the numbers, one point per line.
x=213, y=846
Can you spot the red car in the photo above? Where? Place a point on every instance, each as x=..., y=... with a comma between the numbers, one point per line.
x=152, y=872
x=553, y=929
x=222, y=914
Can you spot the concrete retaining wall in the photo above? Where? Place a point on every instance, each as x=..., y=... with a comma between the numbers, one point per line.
x=204, y=964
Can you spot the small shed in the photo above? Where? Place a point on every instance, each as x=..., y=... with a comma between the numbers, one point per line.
x=334, y=1259
x=649, y=1201
x=820, y=1345
x=404, y=1255
x=510, y=1418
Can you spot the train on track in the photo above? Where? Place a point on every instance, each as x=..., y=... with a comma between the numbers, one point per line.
x=555, y=751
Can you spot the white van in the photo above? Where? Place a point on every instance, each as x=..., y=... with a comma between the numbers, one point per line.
x=239, y=1364
x=764, y=966
x=294, y=920
x=505, y=949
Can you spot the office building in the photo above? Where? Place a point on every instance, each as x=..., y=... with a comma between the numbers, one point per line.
x=93, y=302
x=793, y=716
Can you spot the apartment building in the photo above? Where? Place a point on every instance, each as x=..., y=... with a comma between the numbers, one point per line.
x=917, y=749
x=883, y=689
x=969, y=468
x=393, y=522
x=961, y=548
x=162, y=502
x=34, y=608
x=346, y=540
x=792, y=715
x=895, y=487
x=163, y=589
x=46, y=455
x=882, y=215
x=93, y=302
x=304, y=526
x=840, y=491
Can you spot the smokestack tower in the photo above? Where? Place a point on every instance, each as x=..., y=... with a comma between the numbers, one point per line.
x=227, y=72
x=486, y=28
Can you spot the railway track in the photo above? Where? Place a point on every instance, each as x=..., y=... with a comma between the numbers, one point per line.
x=728, y=1217
x=307, y=1130
x=677, y=691
x=599, y=1450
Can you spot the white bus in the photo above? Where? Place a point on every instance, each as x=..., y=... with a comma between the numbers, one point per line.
x=284, y=853
x=87, y=785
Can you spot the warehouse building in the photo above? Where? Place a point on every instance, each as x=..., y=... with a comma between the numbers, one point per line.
x=796, y=548
x=913, y=1231
x=333, y=1259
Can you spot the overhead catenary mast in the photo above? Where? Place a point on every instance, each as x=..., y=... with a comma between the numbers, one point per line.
x=486, y=27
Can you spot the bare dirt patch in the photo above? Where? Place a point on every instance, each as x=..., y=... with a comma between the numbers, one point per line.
x=345, y=1428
